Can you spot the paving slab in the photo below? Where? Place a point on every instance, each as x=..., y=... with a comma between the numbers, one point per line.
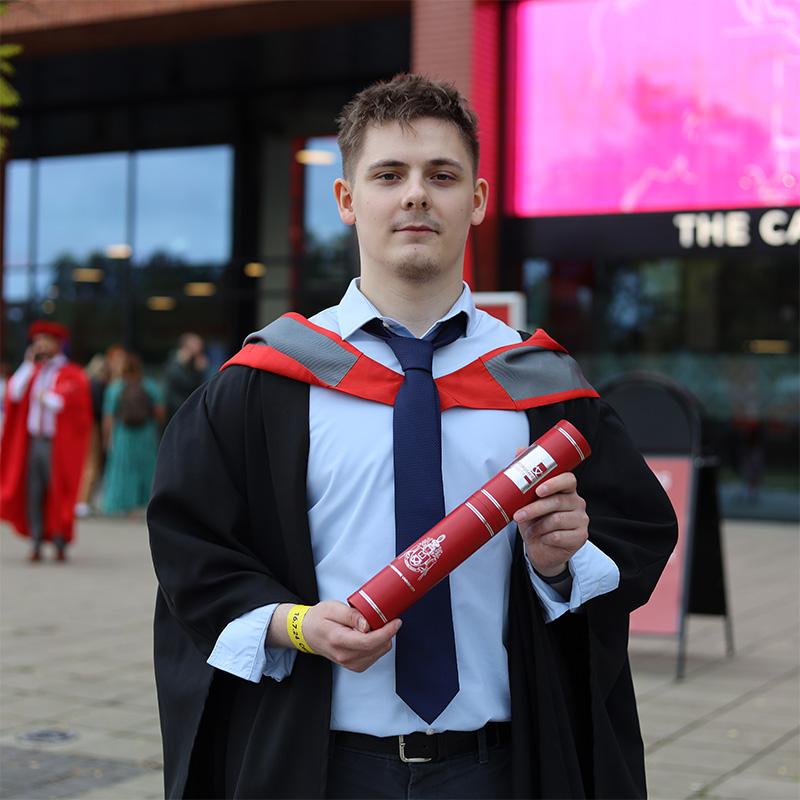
x=75, y=656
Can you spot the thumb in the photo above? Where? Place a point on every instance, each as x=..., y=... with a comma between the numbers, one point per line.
x=355, y=619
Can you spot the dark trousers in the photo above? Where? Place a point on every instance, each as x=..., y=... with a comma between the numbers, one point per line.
x=38, y=481
x=357, y=775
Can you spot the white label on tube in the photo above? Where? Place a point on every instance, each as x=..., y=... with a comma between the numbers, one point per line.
x=530, y=468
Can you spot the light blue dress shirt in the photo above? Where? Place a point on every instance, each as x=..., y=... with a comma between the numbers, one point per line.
x=352, y=534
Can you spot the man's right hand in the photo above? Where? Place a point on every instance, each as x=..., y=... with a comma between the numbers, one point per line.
x=337, y=632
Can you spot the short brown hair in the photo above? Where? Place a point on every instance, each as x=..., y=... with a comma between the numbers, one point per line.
x=404, y=99
x=132, y=369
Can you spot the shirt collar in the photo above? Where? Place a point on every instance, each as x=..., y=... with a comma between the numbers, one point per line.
x=57, y=361
x=355, y=310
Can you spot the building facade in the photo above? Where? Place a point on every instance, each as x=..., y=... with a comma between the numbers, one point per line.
x=173, y=165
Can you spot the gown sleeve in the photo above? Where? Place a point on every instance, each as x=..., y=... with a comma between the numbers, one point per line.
x=218, y=546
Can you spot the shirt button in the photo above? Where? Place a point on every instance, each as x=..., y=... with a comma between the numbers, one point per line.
x=430, y=732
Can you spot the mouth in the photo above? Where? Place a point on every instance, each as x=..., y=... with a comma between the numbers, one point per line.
x=415, y=230
x=421, y=226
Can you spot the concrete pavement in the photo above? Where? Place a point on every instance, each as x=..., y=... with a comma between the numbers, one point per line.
x=78, y=714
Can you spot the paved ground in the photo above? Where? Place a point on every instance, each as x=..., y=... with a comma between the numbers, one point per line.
x=78, y=715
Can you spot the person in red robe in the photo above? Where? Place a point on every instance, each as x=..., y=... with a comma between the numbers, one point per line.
x=48, y=417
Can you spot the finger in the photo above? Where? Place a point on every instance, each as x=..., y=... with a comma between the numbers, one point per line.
x=563, y=483
x=357, y=651
x=349, y=616
x=546, y=506
x=346, y=628
x=380, y=637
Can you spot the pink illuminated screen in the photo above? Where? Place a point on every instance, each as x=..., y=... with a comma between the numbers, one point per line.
x=655, y=105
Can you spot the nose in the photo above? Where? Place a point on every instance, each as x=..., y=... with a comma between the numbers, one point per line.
x=416, y=195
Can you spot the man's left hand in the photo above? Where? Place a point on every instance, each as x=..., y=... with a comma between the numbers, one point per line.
x=555, y=525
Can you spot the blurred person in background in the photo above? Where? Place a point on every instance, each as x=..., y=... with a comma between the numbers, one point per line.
x=5, y=372
x=99, y=374
x=184, y=371
x=278, y=493
x=115, y=358
x=45, y=437
x=133, y=411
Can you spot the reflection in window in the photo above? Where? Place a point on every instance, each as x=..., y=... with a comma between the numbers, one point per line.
x=183, y=204
x=90, y=238
x=174, y=202
x=708, y=325
x=323, y=165
x=81, y=205
x=325, y=265
x=17, y=213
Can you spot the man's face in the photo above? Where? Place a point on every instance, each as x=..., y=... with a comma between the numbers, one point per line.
x=46, y=346
x=194, y=345
x=412, y=198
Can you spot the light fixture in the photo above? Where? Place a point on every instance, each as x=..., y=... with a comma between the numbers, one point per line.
x=87, y=275
x=199, y=289
x=254, y=269
x=768, y=346
x=118, y=251
x=160, y=303
x=315, y=158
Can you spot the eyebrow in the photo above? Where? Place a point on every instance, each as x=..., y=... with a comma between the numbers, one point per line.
x=387, y=163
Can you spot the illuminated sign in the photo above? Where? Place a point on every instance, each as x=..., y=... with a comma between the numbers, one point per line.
x=775, y=228
x=654, y=106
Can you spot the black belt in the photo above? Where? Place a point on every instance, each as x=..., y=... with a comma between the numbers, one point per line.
x=424, y=746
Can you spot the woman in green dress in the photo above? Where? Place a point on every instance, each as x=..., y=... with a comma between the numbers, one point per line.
x=133, y=410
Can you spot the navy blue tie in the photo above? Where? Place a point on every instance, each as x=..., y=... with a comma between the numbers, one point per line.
x=425, y=650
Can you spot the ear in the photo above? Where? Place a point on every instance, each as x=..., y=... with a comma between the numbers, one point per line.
x=480, y=198
x=344, y=201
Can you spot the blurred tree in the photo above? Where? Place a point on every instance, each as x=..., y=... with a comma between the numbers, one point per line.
x=9, y=96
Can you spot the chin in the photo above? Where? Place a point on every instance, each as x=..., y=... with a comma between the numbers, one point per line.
x=419, y=270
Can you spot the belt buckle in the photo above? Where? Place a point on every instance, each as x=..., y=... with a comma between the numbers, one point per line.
x=402, y=748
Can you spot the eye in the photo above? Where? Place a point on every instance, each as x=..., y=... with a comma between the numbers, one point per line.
x=387, y=177
x=443, y=177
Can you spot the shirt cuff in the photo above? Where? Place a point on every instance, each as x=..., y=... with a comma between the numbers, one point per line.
x=18, y=382
x=593, y=573
x=53, y=401
x=240, y=649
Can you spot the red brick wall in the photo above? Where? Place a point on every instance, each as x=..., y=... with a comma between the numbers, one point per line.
x=45, y=14
x=57, y=26
x=459, y=41
x=441, y=40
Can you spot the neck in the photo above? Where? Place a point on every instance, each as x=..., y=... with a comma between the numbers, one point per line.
x=417, y=306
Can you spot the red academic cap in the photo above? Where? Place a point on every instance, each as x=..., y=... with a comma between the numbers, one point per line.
x=49, y=327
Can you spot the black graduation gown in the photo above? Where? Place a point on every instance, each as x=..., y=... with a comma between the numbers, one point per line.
x=229, y=533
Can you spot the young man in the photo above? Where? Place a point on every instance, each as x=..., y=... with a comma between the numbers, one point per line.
x=45, y=437
x=184, y=371
x=283, y=486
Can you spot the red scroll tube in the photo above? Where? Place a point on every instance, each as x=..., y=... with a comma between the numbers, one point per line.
x=432, y=557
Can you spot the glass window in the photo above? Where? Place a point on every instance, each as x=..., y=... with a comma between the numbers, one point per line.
x=322, y=225
x=730, y=339
x=169, y=214
x=17, y=213
x=325, y=264
x=184, y=204
x=81, y=205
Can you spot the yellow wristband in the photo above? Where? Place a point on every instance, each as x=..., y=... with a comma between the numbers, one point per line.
x=294, y=624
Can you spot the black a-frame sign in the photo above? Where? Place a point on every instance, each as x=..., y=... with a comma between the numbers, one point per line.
x=665, y=421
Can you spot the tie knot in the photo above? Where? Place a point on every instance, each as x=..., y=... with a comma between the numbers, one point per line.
x=413, y=353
